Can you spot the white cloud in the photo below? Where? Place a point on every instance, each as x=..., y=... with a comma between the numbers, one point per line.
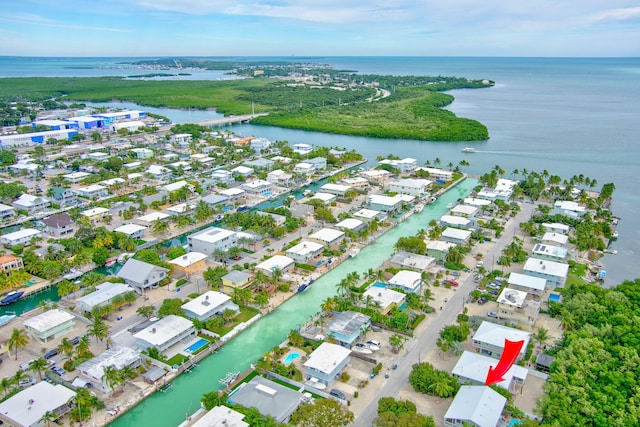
x=38, y=20
x=621, y=14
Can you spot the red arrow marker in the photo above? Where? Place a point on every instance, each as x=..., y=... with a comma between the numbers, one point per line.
x=509, y=356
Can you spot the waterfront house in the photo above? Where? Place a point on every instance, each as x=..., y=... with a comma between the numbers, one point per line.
x=466, y=211
x=549, y=252
x=456, y=221
x=30, y=203
x=529, y=284
x=481, y=204
x=412, y=187
x=351, y=224
x=181, y=139
x=568, y=208
x=269, y=398
x=260, y=164
x=326, y=363
x=242, y=171
x=142, y=275
x=220, y=416
x=209, y=304
x=476, y=406
x=188, y=264
x=222, y=176
x=211, y=240
x=347, y=326
x=59, y=225
x=9, y=263
x=368, y=215
x=489, y=339
x=50, y=324
x=376, y=176
x=408, y=281
x=63, y=196
x=6, y=213
x=402, y=165
x=278, y=220
x=27, y=407
x=92, y=371
x=305, y=251
x=159, y=173
x=180, y=209
x=258, y=187
x=439, y=249
x=327, y=236
x=104, y=294
x=95, y=214
x=214, y=199
x=165, y=333
x=280, y=178
x=379, y=202
x=304, y=169
x=517, y=308
x=302, y=149
x=318, y=163
x=259, y=144
x=472, y=368
x=234, y=194
x=276, y=262
x=325, y=198
x=335, y=189
x=20, y=237
x=386, y=299
x=554, y=273
x=555, y=227
x=555, y=239
x=149, y=219
x=236, y=280
x=456, y=236
x=411, y=261
x=93, y=191
x=76, y=177
x=357, y=183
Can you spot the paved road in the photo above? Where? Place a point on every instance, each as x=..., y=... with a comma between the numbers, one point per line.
x=426, y=341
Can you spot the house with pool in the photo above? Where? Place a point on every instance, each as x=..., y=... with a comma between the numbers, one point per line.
x=209, y=304
x=347, y=326
x=165, y=333
x=477, y=406
x=326, y=363
x=408, y=281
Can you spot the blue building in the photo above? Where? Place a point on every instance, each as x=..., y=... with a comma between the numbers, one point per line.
x=326, y=363
x=347, y=326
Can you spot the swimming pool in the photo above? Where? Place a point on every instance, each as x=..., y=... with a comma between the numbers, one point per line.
x=196, y=345
x=554, y=297
x=291, y=357
x=380, y=285
x=515, y=422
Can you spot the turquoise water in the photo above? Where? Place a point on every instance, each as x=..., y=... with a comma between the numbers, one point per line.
x=380, y=285
x=554, y=297
x=291, y=357
x=515, y=422
x=196, y=345
x=168, y=409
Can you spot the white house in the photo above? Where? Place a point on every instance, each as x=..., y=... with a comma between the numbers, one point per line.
x=327, y=236
x=529, y=284
x=413, y=187
x=20, y=237
x=279, y=177
x=368, y=215
x=149, y=219
x=258, y=187
x=242, y=171
x=555, y=239
x=276, y=262
x=568, y=208
x=142, y=153
x=6, y=212
x=326, y=363
x=549, y=252
x=304, y=168
x=516, y=308
x=181, y=139
x=403, y=165
x=159, y=173
x=76, y=177
x=351, y=224
x=142, y=275
x=175, y=186
x=439, y=249
x=379, y=202
x=437, y=174
x=305, y=251
x=490, y=337
x=325, y=198
x=319, y=163
x=233, y=194
x=476, y=406
x=92, y=191
x=165, y=333
x=473, y=368
x=209, y=304
x=222, y=176
x=50, y=324
x=409, y=281
x=30, y=203
x=212, y=239
x=386, y=298
x=302, y=149
x=118, y=357
x=27, y=407
x=335, y=189
x=378, y=176
x=357, y=183
x=104, y=293
x=221, y=416
x=555, y=227
x=466, y=211
x=455, y=235
x=456, y=221
x=478, y=203
x=555, y=273
x=411, y=261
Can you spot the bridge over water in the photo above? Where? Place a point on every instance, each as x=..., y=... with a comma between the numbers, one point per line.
x=223, y=121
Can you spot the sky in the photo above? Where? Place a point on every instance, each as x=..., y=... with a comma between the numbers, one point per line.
x=549, y=28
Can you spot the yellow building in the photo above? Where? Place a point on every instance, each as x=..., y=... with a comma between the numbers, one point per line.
x=236, y=280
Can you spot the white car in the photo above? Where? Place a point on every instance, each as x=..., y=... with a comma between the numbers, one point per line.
x=492, y=314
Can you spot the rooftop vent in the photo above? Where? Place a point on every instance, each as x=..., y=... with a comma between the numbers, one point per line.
x=153, y=330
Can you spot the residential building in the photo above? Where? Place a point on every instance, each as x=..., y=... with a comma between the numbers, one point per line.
x=268, y=397
x=142, y=275
x=259, y=144
x=304, y=168
x=6, y=212
x=258, y=187
x=386, y=299
x=9, y=263
x=214, y=199
x=440, y=175
x=456, y=221
x=104, y=294
x=211, y=240
x=327, y=236
x=555, y=227
x=178, y=185
x=568, y=208
x=413, y=187
x=260, y=164
x=76, y=177
x=490, y=337
x=481, y=204
x=117, y=357
x=282, y=159
x=408, y=281
x=529, y=284
x=326, y=363
x=132, y=165
x=325, y=198
x=347, y=326
x=93, y=191
x=143, y=153
x=455, y=235
x=473, y=367
x=20, y=237
x=368, y=215
x=207, y=305
x=95, y=214
x=302, y=149
x=466, y=211
x=279, y=177
x=234, y=194
x=278, y=220
x=149, y=219
x=549, y=252
x=403, y=165
x=132, y=230
x=59, y=226
x=543, y=362
x=236, y=280
x=276, y=262
x=555, y=239
x=242, y=171
x=30, y=203
x=335, y=189
x=222, y=176
x=27, y=407
x=475, y=406
x=516, y=308
x=165, y=333
x=181, y=139
x=357, y=183
x=554, y=273
x=319, y=163
x=351, y=224
x=376, y=176
x=188, y=264
x=438, y=249
x=220, y=416
x=50, y=324
x=411, y=261
x=159, y=173
x=180, y=209
x=305, y=251
x=379, y=202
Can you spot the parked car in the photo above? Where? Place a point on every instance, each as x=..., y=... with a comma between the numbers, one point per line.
x=493, y=286
x=492, y=314
x=482, y=301
x=337, y=393
x=24, y=366
x=373, y=345
x=455, y=273
x=49, y=354
x=493, y=293
x=452, y=282
x=75, y=340
x=58, y=371
x=26, y=382
x=361, y=348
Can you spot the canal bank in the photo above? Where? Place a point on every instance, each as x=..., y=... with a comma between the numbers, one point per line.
x=170, y=408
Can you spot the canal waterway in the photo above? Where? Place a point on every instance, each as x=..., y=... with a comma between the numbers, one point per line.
x=170, y=408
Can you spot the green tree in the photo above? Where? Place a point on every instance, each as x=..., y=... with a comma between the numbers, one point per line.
x=98, y=329
x=112, y=377
x=322, y=412
x=65, y=347
x=171, y=306
x=176, y=252
x=100, y=256
x=48, y=417
x=411, y=244
x=18, y=339
x=38, y=365
x=396, y=341
x=146, y=311
x=426, y=379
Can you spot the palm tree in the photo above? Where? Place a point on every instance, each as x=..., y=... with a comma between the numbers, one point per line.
x=541, y=336
x=146, y=311
x=112, y=377
x=48, y=417
x=19, y=376
x=18, y=339
x=82, y=349
x=276, y=275
x=396, y=341
x=6, y=384
x=98, y=329
x=38, y=365
x=160, y=227
x=328, y=305
x=66, y=347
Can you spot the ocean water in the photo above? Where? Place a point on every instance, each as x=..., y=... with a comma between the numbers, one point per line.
x=566, y=115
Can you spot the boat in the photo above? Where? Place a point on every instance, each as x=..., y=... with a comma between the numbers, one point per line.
x=418, y=208
x=6, y=318
x=72, y=274
x=450, y=205
x=615, y=234
x=123, y=257
x=361, y=348
x=315, y=383
x=468, y=150
x=353, y=252
x=111, y=261
x=305, y=285
x=11, y=297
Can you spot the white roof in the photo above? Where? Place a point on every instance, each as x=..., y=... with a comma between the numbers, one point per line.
x=561, y=239
x=142, y=150
x=47, y=320
x=455, y=220
x=476, y=202
x=384, y=296
x=104, y=292
x=188, y=259
x=28, y=406
x=113, y=181
x=305, y=247
x=94, y=211
x=165, y=330
x=21, y=234
x=380, y=199
x=303, y=165
x=335, y=187
x=153, y=216
x=543, y=266
x=349, y=223
x=115, y=356
x=556, y=226
x=174, y=186
x=375, y=173
x=456, y=233
x=439, y=245
x=464, y=210
x=478, y=404
x=367, y=213
x=512, y=297
x=475, y=367
x=181, y=208
x=76, y=175
x=494, y=334
x=212, y=235
x=129, y=229
x=549, y=250
x=569, y=205
x=326, y=357
x=157, y=170
x=229, y=192
x=412, y=183
x=277, y=261
x=537, y=283
x=258, y=183
x=355, y=180
x=405, y=278
x=327, y=235
x=221, y=416
x=324, y=197
x=206, y=302
x=242, y=170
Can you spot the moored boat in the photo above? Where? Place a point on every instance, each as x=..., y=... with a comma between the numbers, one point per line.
x=11, y=297
x=353, y=252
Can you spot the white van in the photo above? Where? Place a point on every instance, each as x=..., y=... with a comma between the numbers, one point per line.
x=24, y=366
